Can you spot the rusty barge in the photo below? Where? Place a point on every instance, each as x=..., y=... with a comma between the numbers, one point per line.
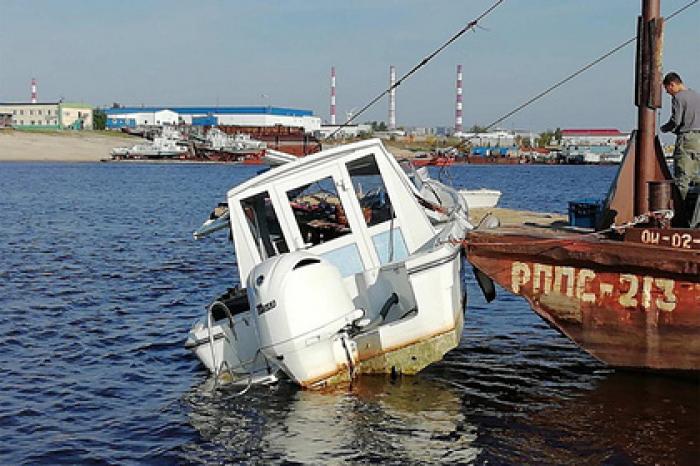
x=629, y=292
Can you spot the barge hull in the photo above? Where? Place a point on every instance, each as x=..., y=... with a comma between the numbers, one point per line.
x=627, y=304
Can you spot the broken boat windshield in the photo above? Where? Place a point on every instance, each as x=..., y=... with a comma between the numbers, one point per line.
x=370, y=190
x=264, y=225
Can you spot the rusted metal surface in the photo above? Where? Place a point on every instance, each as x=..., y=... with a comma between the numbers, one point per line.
x=619, y=205
x=660, y=195
x=227, y=156
x=628, y=304
x=647, y=67
x=675, y=238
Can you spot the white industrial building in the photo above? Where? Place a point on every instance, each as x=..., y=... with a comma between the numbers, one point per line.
x=497, y=138
x=610, y=137
x=348, y=131
x=131, y=117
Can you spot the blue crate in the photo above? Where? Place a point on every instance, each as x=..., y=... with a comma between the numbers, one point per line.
x=585, y=213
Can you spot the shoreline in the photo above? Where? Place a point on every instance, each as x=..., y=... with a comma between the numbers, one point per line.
x=40, y=146
x=17, y=146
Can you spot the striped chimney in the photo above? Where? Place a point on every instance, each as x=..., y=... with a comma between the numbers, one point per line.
x=392, y=98
x=458, y=108
x=33, y=90
x=332, y=95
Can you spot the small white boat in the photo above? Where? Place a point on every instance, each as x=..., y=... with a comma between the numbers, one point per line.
x=480, y=198
x=442, y=194
x=344, y=273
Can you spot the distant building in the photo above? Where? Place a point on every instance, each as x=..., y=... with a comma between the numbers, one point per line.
x=5, y=120
x=131, y=117
x=497, y=138
x=49, y=115
x=349, y=131
x=594, y=137
x=438, y=131
x=593, y=145
x=443, y=131
x=419, y=131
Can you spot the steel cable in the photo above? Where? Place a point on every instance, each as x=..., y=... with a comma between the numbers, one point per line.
x=581, y=70
x=470, y=25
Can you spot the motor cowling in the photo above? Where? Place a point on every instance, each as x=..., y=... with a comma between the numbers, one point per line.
x=301, y=309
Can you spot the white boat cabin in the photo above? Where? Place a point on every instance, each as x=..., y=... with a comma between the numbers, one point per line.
x=354, y=207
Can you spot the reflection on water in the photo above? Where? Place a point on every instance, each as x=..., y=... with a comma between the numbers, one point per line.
x=622, y=419
x=410, y=420
x=626, y=418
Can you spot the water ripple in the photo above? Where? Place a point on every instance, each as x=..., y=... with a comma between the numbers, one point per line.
x=99, y=286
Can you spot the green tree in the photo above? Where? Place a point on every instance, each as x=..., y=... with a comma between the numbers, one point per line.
x=545, y=138
x=377, y=125
x=522, y=142
x=99, y=119
x=478, y=129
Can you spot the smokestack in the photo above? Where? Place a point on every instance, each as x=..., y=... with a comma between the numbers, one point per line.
x=458, y=108
x=332, y=95
x=392, y=98
x=33, y=90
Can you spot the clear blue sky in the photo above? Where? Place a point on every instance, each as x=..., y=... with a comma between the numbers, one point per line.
x=233, y=53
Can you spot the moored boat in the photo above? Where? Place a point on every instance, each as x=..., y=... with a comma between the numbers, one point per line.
x=627, y=292
x=481, y=198
x=165, y=146
x=627, y=303
x=219, y=146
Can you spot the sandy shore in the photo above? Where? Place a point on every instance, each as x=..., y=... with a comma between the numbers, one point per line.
x=87, y=146
x=24, y=146
x=510, y=217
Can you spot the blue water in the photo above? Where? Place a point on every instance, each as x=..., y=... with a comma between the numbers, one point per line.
x=100, y=280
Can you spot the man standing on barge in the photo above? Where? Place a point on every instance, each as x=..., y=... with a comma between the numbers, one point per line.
x=685, y=123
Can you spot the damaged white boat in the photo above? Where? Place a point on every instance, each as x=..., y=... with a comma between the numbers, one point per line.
x=344, y=273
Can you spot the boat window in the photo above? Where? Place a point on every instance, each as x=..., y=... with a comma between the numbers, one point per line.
x=264, y=225
x=371, y=192
x=318, y=211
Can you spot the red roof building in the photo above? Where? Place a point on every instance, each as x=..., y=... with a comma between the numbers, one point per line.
x=608, y=132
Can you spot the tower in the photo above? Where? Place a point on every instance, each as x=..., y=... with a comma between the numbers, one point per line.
x=392, y=98
x=458, y=106
x=33, y=90
x=333, y=95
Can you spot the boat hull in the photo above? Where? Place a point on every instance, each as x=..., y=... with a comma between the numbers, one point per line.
x=629, y=305
x=410, y=344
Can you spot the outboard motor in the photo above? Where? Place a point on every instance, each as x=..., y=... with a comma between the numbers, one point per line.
x=302, y=311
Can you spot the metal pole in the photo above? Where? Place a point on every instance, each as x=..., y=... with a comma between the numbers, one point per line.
x=392, y=98
x=646, y=132
x=332, y=95
x=458, y=107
